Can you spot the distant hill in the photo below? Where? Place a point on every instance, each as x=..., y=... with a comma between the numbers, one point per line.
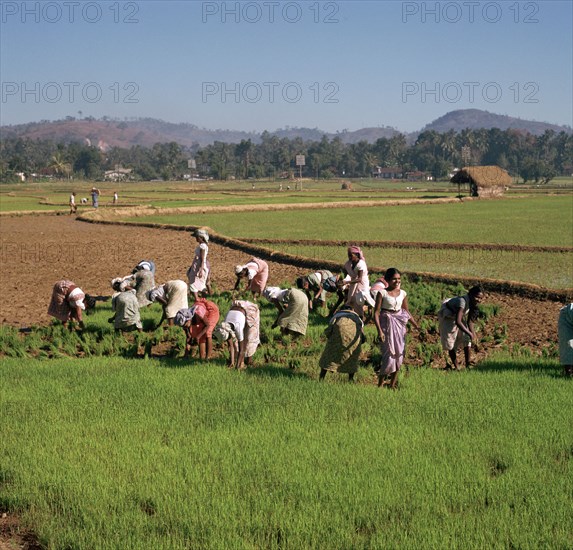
x=475, y=119
x=364, y=134
x=106, y=133
x=115, y=133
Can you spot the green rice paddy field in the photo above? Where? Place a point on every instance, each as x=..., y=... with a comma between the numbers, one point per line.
x=536, y=220
x=130, y=454
x=533, y=221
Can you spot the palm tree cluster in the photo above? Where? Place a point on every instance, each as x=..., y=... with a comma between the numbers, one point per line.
x=524, y=155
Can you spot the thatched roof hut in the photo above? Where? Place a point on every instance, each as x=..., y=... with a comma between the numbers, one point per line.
x=484, y=181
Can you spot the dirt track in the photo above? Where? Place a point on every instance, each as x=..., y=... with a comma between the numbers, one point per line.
x=39, y=250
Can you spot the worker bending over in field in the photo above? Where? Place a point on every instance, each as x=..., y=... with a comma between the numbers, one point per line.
x=68, y=302
x=256, y=271
x=344, y=343
x=199, y=322
x=456, y=324
x=172, y=295
x=241, y=332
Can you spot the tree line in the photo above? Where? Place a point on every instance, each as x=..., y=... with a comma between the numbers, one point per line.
x=523, y=155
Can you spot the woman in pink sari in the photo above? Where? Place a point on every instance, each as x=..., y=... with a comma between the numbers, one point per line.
x=391, y=316
x=256, y=271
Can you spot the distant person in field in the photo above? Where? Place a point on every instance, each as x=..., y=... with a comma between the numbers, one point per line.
x=391, y=317
x=95, y=193
x=68, y=302
x=198, y=273
x=124, y=304
x=115, y=197
x=565, y=333
x=319, y=283
x=292, y=305
x=344, y=343
x=172, y=296
x=73, y=205
x=199, y=322
x=240, y=331
x=456, y=320
x=357, y=281
x=256, y=272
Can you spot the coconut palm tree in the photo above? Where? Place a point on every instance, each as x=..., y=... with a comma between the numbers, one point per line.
x=60, y=167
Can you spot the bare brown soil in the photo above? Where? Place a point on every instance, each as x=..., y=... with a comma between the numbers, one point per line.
x=14, y=537
x=39, y=250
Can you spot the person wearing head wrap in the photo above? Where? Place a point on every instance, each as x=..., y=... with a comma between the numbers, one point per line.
x=275, y=295
x=344, y=342
x=143, y=280
x=68, y=301
x=198, y=273
x=145, y=265
x=119, y=284
x=172, y=296
x=241, y=332
x=199, y=322
x=292, y=304
x=95, y=193
x=256, y=271
x=357, y=281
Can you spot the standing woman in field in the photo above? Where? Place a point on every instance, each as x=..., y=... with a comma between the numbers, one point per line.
x=357, y=281
x=73, y=206
x=256, y=271
x=67, y=303
x=391, y=316
x=172, y=296
x=198, y=273
x=456, y=324
x=95, y=193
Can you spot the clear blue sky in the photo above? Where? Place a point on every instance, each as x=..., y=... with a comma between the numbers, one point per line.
x=270, y=64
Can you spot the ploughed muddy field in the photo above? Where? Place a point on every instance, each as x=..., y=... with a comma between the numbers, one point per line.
x=39, y=250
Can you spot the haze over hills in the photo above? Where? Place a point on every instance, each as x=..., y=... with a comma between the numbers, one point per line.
x=106, y=133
